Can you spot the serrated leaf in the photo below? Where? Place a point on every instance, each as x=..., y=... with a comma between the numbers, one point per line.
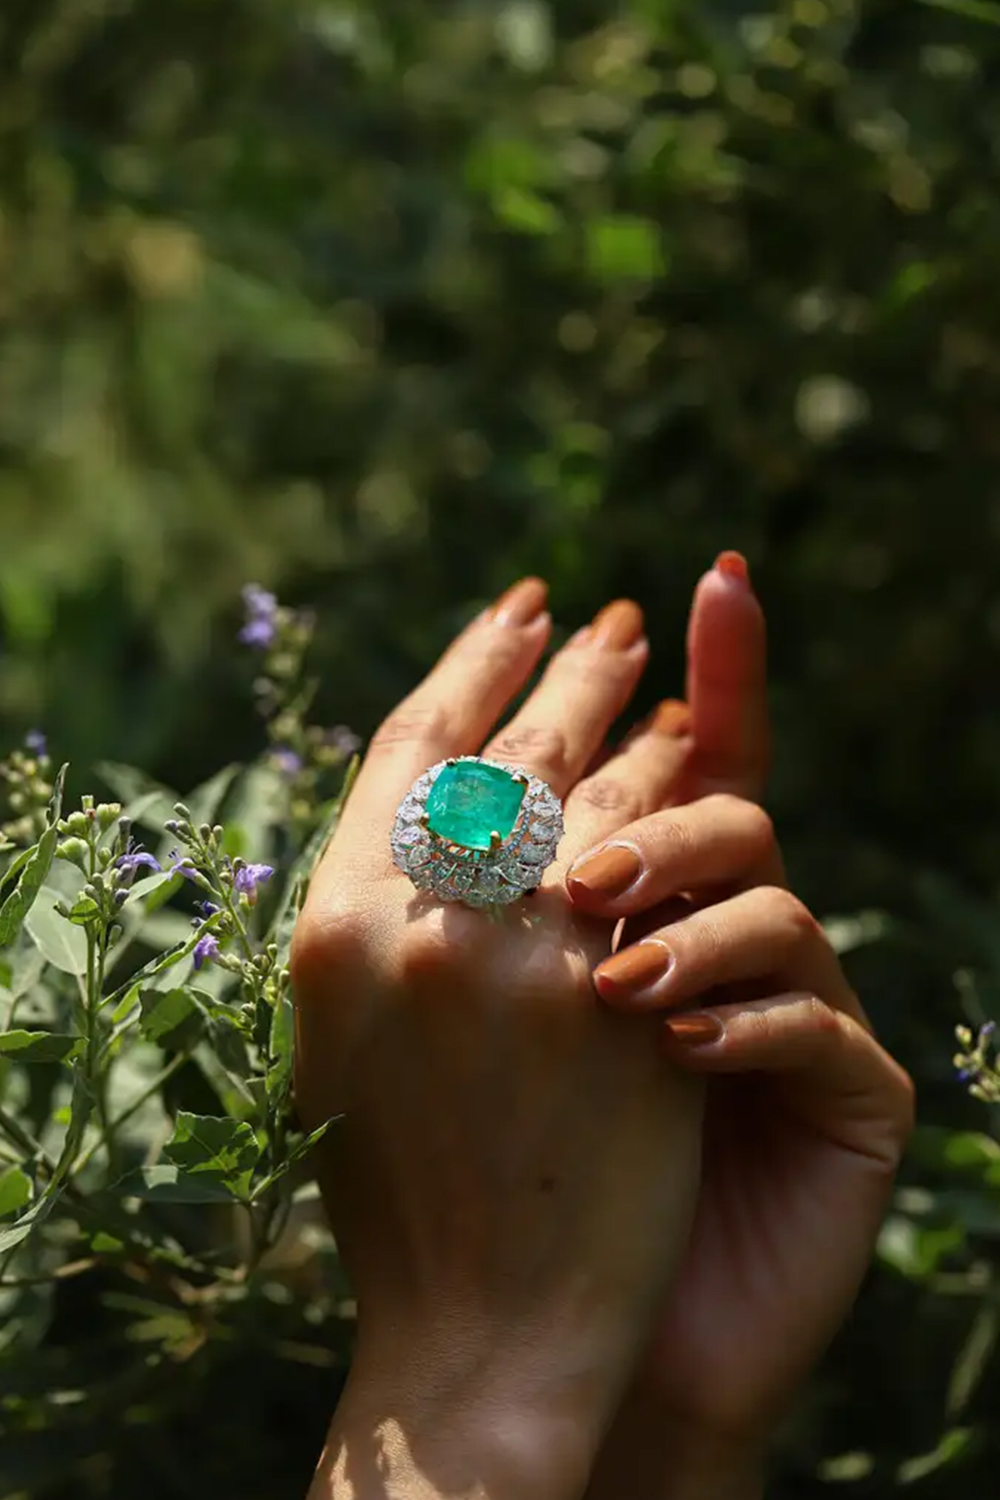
x=170, y=1184
x=296, y=1152
x=170, y=1018
x=222, y=1149
x=32, y=877
x=63, y=945
x=39, y=1046
x=15, y=1191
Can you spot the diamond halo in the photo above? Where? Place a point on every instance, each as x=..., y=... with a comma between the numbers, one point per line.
x=478, y=877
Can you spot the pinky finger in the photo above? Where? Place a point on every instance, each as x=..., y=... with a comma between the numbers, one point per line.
x=835, y=1075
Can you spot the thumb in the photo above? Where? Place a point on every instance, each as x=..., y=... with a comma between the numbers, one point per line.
x=727, y=682
x=835, y=1076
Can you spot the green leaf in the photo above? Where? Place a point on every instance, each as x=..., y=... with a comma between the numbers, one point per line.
x=22, y=898
x=169, y=1184
x=621, y=247
x=953, y=1445
x=279, y=1074
x=170, y=1018
x=226, y=1151
x=296, y=1151
x=205, y=801
x=976, y=10
x=39, y=1046
x=146, y=802
x=63, y=944
x=915, y=1250
x=15, y=1191
x=526, y=212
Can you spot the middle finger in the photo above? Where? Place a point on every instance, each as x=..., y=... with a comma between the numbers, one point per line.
x=563, y=724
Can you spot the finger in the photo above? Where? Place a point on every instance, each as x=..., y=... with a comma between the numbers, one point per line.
x=630, y=783
x=843, y=1081
x=454, y=708
x=563, y=724
x=727, y=682
x=764, y=932
x=721, y=840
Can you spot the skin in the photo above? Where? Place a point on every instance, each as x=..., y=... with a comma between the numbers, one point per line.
x=515, y=1179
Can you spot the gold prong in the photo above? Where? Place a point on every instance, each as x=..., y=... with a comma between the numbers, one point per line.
x=425, y=821
x=520, y=779
x=452, y=761
x=495, y=841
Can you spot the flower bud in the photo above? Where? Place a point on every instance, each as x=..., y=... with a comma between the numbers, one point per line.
x=121, y=896
x=87, y=803
x=73, y=850
x=205, y=833
x=78, y=823
x=108, y=813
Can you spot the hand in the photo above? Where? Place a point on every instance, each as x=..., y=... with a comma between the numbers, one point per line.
x=806, y=1119
x=514, y=1175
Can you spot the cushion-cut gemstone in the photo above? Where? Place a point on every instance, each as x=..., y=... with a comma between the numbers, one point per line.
x=470, y=801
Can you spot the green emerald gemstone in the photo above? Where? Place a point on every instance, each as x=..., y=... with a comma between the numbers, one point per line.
x=470, y=801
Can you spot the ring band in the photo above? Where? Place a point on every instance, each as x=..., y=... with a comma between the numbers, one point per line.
x=475, y=831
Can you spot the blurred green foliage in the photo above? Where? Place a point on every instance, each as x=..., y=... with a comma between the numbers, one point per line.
x=387, y=302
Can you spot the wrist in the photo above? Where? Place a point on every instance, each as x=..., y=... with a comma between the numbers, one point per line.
x=465, y=1425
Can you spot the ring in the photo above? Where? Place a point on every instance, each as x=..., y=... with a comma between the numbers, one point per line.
x=474, y=831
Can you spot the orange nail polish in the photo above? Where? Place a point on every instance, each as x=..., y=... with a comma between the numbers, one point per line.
x=733, y=565
x=618, y=626
x=671, y=717
x=633, y=970
x=700, y=1029
x=521, y=604
x=607, y=873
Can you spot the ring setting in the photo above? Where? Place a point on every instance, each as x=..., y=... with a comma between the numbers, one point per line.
x=476, y=831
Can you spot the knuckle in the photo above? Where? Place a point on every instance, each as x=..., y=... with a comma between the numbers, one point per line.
x=787, y=911
x=411, y=724
x=749, y=817
x=544, y=745
x=676, y=836
x=427, y=952
x=608, y=795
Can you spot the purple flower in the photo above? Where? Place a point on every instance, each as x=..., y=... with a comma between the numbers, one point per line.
x=249, y=877
x=36, y=742
x=137, y=859
x=964, y=1074
x=344, y=740
x=287, y=761
x=205, y=949
x=180, y=864
x=208, y=909
x=261, y=617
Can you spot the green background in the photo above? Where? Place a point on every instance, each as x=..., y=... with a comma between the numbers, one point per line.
x=385, y=304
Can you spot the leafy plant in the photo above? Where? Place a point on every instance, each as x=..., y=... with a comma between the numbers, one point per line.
x=146, y=1025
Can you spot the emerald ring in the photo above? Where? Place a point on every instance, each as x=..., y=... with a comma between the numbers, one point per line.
x=474, y=831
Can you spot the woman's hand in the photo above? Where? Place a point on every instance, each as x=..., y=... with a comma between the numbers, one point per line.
x=806, y=1120
x=513, y=1179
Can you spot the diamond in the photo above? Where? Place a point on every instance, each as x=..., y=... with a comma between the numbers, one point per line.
x=471, y=800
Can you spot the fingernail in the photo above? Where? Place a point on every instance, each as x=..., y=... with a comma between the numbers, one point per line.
x=521, y=604
x=671, y=717
x=618, y=626
x=607, y=873
x=733, y=565
x=637, y=968
x=698, y=1030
